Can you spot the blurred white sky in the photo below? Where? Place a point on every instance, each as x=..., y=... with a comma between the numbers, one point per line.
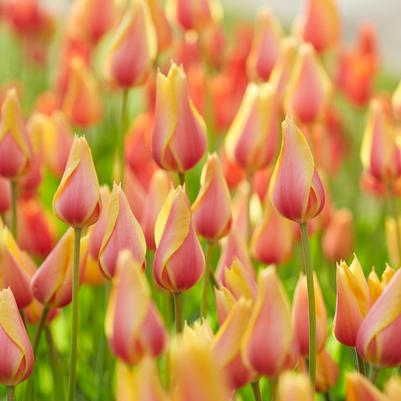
x=385, y=14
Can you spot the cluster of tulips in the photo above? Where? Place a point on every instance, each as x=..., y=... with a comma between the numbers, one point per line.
x=205, y=210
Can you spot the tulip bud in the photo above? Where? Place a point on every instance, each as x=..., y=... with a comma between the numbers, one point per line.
x=378, y=340
x=326, y=372
x=179, y=132
x=294, y=387
x=265, y=46
x=353, y=301
x=358, y=388
x=133, y=325
x=81, y=102
x=122, y=232
x=308, y=89
x=5, y=195
x=14, y=145
x=212, y=208
x=252, y=138
x=266, y=352
x=295, y=187
x=163, y=31
x=134, y=47
x=52, y=283
x=300, y=315
x=16, y=350
x=76, y=201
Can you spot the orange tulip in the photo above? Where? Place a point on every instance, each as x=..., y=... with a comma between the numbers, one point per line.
x=17, y=358
x=294, y=387
x=358, y=387
x=76, y=201
x=326, y=372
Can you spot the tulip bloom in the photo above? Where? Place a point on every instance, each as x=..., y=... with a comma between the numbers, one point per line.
x=52, y=282
x=267, y=351
x=295, y=187
x=133, y=48
x=353, y=301
x=294, y=387
x=252, y=138
x=265, y=46
x=326, y=372
x=176, y=245
x=212, y=208
x=133, y=325
x=17, y=356
x=378, y=340
x=309, y=87
x=122, y=232
x=179, y=132
x=76, y=201
x=15, y=150
x=358, y=387
x=5, y=195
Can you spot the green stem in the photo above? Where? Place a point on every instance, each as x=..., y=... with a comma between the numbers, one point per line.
x=75, y=307
x=10, y=393
x=394, y=214
x=58, y=386
x=14, y=196
x=256, y=391
x=273, y=389
x=360, y=363
x=178, y=312
x=374, y=371
x=206, y=278
x=306, y=258
x=39, y=329
x=182, y=178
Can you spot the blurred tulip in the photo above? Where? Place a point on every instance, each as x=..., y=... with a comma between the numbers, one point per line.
x=15, y=150
x=5, y=195
x=212, y=208
x=358, y=388
x=391, y=237
x=159, y=189
x=300, y=316
x=81, y=103
x=252, y=138
x=295, y=187
x=76, y=201
x=265, y=46
x=176, y=243
x=135, y=192
x=309, y=87
x=163, y=31
x=133, y=48
x=393, y=388
x=122, y=232
x=52, y=283
x=294, y=387
x=267, y=352
x=133, y=325
x=224, y=303
x=214, y=46
x=179, y=132
x=378, y=340
x=326, y=372
x=16, y=350
x=353, y=301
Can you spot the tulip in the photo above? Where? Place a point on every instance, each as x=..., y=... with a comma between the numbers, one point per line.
x=267, y=352
x=81, y=102
x=265, y=46
x=17, y=356
x=15, y=150
x=176, y=244
x=295, y=187
x=179, y=132
x=212, y=208
x=326, y=372
x=376, y=286
x=252, y=138
x=5, y=195
x=163, y=31
x=52, y=283
x=308, y=89
x=358, y=387
x=122, y=232
x=76, y=201
x=378, y=340
x=224, y=303
x=294, y=387
x=353, y=301
x=392, y=239
x=133, y=324
x=133, y=48
x=393, y=388
x=321, y=25
x=135, y=193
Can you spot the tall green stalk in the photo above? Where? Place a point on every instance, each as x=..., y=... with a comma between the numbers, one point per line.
x=179, y=322
x=10, y=393
x=256, y=391
x=206, y=279
x=39, y=328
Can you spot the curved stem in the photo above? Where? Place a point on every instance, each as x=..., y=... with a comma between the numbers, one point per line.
x=39, y=329
x=360, y=363
x=256, y=391
x=14, y=196
x=10, y=393
x=206, y=278
x=179, y=324
x=394, y=214
x=75, y=305
x=306, y=259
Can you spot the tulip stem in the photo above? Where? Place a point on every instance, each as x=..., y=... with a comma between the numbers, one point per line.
x=181, y=177
x=10, y=393
x=256, y=391
x=178, y=312
x=206, y=278
x=306, y=258
x=373, y=374
x=14, y=196
x=360, y=363
x=394, y=214
x=75, y=307
x=39, y=329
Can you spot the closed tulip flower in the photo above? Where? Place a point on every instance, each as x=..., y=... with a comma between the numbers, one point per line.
x=378, y=340
x=295, y=187
x=16, y=350
x=76, y=201
x=267, y=342
x=179, y=261
x=133, y=325
x=358, y=388
x=326, y=372
x=133, y=48
x=5, y=195
x=294, y=387
x=122, y=232
x=212, y=208
x=179, y=132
